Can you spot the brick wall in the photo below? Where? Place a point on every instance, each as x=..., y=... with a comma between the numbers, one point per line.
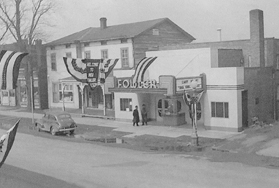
x=260, y=85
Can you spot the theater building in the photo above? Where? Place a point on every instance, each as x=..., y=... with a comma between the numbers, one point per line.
x=239, y=78
x=169, y=75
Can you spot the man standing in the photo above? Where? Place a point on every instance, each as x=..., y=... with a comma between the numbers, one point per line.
x=144, y=115
x=136, y=116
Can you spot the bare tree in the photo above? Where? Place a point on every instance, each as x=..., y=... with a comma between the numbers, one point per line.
x=23, y=19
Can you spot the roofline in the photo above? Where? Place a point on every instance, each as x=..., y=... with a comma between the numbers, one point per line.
x=83, y=41
x=168, y=20
x=120, y=37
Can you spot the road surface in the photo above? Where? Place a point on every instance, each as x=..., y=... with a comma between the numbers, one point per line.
x=90, y=165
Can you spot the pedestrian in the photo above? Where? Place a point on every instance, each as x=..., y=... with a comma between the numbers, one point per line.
x=136, y=116
x=144, y=114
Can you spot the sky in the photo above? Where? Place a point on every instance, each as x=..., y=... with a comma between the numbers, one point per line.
x=200, y=18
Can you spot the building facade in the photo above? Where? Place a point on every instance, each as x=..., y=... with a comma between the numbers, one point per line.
x=127, y=42
x=239, y=78
x=37, y=69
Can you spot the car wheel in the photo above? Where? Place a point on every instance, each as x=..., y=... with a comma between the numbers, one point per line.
x=52, y=131
x=37, y=125
x=72, y=132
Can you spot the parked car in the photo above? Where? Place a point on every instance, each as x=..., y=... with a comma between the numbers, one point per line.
x=56, y=122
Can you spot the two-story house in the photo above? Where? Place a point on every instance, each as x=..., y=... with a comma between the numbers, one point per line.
x=127, y=42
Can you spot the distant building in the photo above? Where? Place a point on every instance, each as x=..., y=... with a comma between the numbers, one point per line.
x=36, y=60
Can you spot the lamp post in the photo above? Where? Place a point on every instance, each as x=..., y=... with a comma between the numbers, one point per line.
x=63, y=89
x=194, y=100
x=81, y=86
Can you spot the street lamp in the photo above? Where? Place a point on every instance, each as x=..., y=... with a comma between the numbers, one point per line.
x=194, y=99
x=81, y=87
x=63, y=89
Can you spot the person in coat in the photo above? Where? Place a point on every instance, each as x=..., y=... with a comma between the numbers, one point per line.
x=136, y=116
x=144, y=114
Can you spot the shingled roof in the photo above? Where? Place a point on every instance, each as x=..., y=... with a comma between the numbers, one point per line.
x=129, y=30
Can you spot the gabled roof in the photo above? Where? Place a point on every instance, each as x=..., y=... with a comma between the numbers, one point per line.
x=129, y=30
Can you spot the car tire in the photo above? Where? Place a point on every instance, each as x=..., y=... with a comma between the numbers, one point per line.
x=37, y=125
x=52, y=131
x=72, y=132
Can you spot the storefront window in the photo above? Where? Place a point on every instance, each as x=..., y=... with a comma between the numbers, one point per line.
x=68, y=92
x=173, y=107
x=95, y=97
x=125, y=104
x=168, y=106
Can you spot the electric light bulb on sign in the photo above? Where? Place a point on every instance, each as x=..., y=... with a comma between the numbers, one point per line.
x=194, y=84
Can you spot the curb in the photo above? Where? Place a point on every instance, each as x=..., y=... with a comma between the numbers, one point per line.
x=97, y=116
x=223, y=150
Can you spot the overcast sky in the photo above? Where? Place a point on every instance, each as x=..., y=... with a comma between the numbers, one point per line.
x=200, y=18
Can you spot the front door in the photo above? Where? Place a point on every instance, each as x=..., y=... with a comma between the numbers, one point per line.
x=159, y=109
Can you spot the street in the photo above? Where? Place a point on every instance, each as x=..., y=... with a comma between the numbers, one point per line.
x=11, y=177
x=90, y=165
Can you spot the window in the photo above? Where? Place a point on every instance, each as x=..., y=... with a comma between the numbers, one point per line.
x=220, y=109
x=104, y=54
x=68, y=54
x=277, y=62
x=52, y=48
x=55, y=93
x=249, y=61
x=68, y=45
x=53, y=62
x=68, y=92
x=103, y=42
x=87, y=55
x=86, y=44
x=125, y=104
x=155, y=31
x=124, y=40
x=168, y=107
x=125, y=57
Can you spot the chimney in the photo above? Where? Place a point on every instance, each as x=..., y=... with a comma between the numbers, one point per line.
x=103, y=23
x=257, y=38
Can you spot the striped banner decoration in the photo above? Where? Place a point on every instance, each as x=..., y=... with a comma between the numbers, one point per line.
x=106, y=67
x=77, y=68
x=141, y=68
x=9, y=68
x=6, y=142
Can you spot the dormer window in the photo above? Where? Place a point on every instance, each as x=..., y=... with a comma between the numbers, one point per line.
x=103, y=42
x=124, y=40
x=155, y=31
x=68, y=45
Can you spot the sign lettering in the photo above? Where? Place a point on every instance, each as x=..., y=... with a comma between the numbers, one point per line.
x=183, y=84
x=128, y=83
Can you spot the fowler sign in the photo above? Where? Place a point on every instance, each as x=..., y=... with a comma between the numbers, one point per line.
x=128, y=83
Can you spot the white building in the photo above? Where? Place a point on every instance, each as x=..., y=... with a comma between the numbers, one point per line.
x=127, y=42
x=221, y=103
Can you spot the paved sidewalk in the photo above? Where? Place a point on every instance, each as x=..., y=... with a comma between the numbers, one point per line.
x=123, y=126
